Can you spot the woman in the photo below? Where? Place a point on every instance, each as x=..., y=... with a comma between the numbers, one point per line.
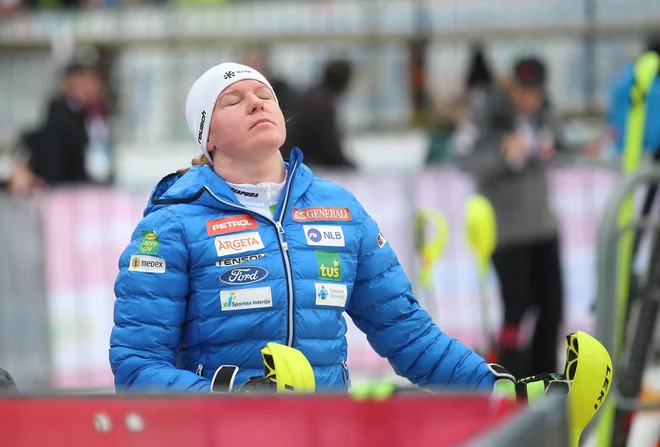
x=511, y=134
x=244, y=249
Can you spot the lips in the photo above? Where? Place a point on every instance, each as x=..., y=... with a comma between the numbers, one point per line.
x=262, y=120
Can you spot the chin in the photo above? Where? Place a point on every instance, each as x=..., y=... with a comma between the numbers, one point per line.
x=267, y=141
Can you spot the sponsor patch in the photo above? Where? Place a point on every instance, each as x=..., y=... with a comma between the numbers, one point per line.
x=321, y=213
x=244, y=275
x=331, y=294
x=229, y=262
x=381, y=240
x=147, y=264
x=329, y=265
x=231, y=224
x=238, y=243
x=326, y=235
x=149, y=244
x=246, y=298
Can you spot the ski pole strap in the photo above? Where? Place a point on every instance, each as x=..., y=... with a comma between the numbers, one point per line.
x=7, y=384
x=529, y=388
x=223, y=379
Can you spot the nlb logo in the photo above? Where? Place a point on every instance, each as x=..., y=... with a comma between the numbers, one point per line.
x=326, y=235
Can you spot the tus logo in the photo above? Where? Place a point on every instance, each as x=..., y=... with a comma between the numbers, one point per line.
x=229, y=75
x=329, y=264
x=323, y=293
x=229, y=301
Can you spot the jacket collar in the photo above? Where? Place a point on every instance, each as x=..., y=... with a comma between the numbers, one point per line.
x=201, y=185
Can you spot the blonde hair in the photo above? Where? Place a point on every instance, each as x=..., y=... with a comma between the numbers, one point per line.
x=201, y=159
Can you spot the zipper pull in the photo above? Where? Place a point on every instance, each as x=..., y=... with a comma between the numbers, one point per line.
x=200, y=369
x=280, y=230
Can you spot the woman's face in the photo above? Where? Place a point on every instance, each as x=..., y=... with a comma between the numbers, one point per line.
x=246, y=120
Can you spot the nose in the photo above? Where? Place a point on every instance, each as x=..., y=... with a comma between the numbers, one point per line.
x=255, y=103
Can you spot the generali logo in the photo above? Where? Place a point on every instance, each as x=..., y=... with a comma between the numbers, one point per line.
x=321, y=213
x=231, y=224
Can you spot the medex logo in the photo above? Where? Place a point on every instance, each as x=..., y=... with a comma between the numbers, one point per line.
x=201, y=127
x=231, y=224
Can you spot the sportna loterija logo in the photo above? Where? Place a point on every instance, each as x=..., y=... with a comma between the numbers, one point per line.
x=230, y=300
x=229, y=74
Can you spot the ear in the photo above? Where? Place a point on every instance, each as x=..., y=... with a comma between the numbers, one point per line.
x=210, y=147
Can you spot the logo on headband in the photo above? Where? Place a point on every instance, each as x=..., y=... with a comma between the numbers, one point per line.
x=201, y=127
x=229, y=74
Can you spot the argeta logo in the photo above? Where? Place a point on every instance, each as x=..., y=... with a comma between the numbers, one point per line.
x=238, y=243
x=200, y=134
x=314, y=234
x=229, y=75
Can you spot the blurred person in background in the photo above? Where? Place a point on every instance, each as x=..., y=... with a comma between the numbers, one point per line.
x=242, y=249
x=451, y=112
x=510, y=135
x=72, y=146
x=313, y=125
x=620, y=106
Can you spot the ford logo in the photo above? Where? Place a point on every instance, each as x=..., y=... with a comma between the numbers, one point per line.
x=244, y=275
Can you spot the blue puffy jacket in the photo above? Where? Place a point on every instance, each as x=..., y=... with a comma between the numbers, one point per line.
x=183, y=308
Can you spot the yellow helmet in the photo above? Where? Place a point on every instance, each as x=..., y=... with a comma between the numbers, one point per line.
x=589, y=368
x=288, y=368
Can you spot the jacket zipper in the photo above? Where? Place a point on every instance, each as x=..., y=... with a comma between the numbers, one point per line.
x=284, y=247
x=200, y=369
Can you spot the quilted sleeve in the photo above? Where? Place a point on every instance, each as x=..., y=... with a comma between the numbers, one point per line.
x=150, y=309
x=383, y=307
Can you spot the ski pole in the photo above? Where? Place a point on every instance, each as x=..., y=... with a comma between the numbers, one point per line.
x=481, y=234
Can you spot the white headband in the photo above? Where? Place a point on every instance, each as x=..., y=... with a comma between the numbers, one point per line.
x=205, y=91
